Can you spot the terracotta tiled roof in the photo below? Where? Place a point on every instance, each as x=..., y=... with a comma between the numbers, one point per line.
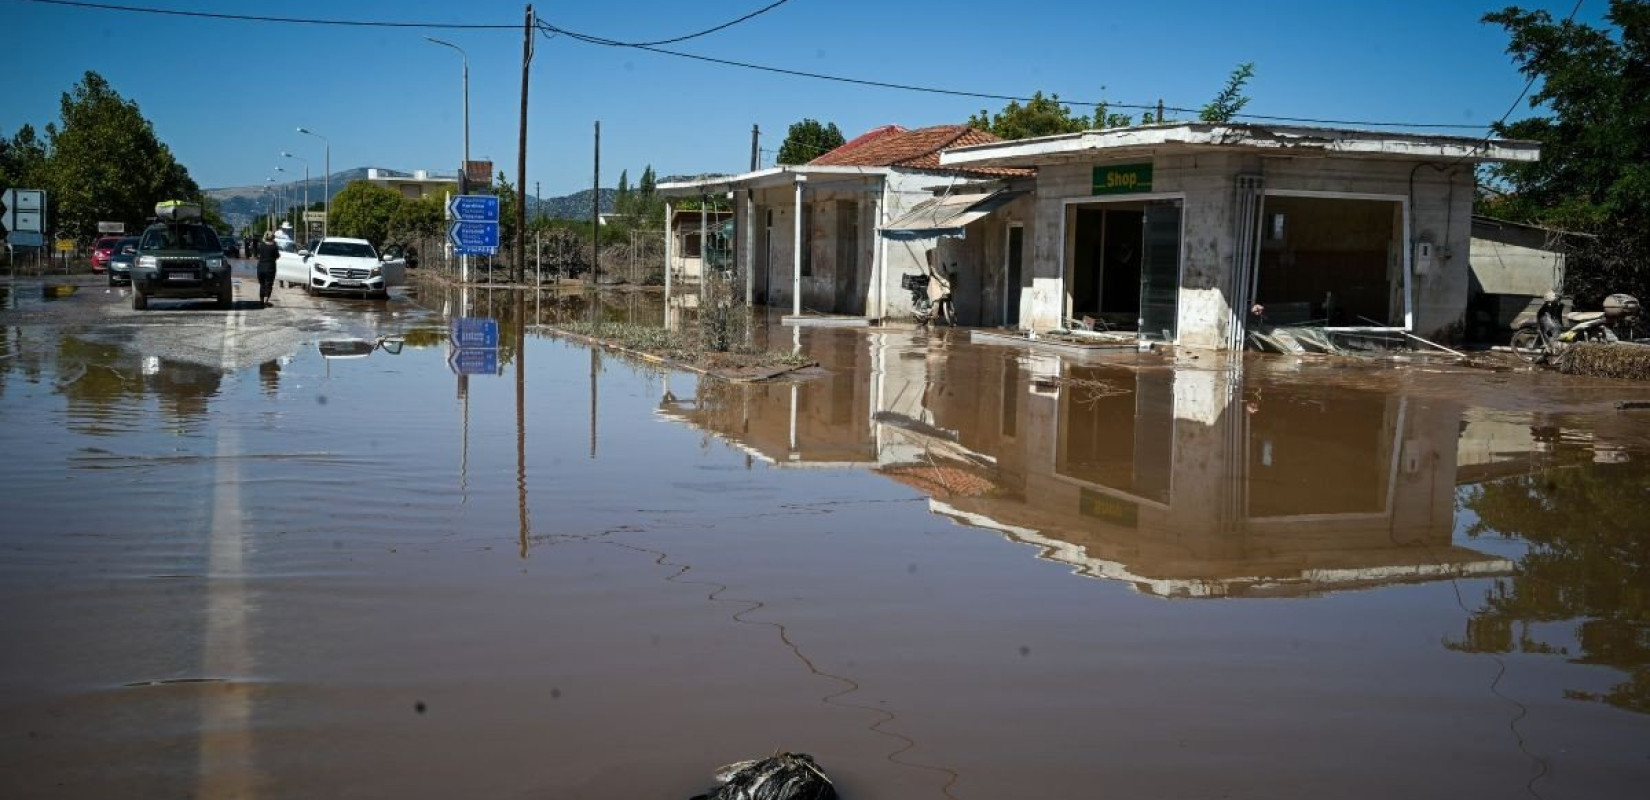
x=918, y=149
x=863, y=139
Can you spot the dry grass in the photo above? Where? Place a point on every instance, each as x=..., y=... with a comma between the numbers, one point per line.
x=1619, y=360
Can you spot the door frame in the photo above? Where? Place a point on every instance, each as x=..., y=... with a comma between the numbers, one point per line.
x=1008, y=246
x=1404, y=244
x=1068, y=243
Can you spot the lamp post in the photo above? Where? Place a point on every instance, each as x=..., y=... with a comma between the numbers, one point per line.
x=463, y=261
x=326, y=224
x=306, y=193
x=270, y=188
x=286, y=198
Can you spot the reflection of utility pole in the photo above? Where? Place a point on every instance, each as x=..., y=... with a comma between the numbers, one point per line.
x=595, y=367
x=464, y=405
x=521, y=420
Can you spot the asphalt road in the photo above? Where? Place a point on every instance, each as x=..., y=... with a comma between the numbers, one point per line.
x=197, y=331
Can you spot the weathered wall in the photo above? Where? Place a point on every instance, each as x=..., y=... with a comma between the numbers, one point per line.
x=1440, y=213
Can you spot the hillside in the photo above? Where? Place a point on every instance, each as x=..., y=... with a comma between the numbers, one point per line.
x=241, y=204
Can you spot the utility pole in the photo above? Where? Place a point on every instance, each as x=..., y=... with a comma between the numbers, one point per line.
x=596, y=211
x=756, y=152
x=521, y=153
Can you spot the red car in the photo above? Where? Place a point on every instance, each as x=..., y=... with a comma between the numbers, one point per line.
x=102, y=252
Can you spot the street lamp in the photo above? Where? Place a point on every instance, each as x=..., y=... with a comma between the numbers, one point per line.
x=270, y=188
x=286, y=198
x=326, y=224
x=306, y=193
x=463, y=261
x=466, y=57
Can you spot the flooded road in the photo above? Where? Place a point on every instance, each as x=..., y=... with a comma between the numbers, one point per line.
x=943, y=569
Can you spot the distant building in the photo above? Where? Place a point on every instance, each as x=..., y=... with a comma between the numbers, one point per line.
x=416, y=184
x=1512, y=266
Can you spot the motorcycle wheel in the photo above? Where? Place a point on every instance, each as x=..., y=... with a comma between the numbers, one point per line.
x=1527, y=345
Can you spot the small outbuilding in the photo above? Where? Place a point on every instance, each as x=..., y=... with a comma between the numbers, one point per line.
x=1177, y=231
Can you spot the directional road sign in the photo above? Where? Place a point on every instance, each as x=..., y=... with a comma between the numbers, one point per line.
x=474, y=238
x=474, y=361
x=474, y=208
x=475, y=332
x=25, y=210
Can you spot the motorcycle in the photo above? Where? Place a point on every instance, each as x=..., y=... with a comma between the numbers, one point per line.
x=924, y=307
x=1553, y=330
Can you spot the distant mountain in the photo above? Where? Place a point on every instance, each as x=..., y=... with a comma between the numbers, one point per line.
x=242, y=204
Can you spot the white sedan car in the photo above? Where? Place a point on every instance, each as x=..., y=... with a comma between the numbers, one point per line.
x=339, y=265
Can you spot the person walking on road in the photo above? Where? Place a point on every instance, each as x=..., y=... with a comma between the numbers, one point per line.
x=268, y=254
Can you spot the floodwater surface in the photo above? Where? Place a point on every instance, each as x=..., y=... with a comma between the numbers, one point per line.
x=942, y=569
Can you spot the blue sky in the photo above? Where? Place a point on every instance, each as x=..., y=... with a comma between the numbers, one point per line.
x=228, y=96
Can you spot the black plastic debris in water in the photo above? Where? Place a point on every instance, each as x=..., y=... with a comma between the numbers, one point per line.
x=783, y=776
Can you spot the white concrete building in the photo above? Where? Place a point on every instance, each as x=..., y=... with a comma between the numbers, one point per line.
x=806, y=235
x=415, y=184
x=1176, y=230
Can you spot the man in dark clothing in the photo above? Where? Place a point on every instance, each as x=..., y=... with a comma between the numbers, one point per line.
x=268, y=254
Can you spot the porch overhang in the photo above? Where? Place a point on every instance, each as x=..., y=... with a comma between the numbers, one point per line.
x=947, y=216
x=772, y=177
x=1263, y=139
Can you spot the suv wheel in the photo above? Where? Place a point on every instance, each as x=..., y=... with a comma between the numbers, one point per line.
x=140, y=301
x=226, y=296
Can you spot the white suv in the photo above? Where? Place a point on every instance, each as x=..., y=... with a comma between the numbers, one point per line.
x=339, y=265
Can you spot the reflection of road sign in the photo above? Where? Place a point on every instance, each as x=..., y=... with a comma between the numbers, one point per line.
x=474, y=361
x=474, y=238
x=25, y=210
x=475, y=332
x=474, y=208
x=315, y=216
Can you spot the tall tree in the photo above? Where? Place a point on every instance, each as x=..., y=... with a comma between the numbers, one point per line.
x=1592, y=119
x=22, y=160
x=808, y=140
x=1231, y=99
x=1040, y=116
x=105, y=163
x=364, y=211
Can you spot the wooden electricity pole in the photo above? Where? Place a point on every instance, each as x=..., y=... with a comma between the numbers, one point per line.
x=521, y=151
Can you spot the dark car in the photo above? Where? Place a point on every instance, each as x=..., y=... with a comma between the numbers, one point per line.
x=102, y=250
x=231, y=248
x=120, y=264
x=181, y=259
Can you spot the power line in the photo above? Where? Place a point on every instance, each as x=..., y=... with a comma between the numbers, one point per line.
x=257, y=18
x=730, y=23
x=589, y=39
x=1531, y=82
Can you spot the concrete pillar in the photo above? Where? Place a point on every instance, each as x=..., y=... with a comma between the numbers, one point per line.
x=669, y=241
x=750, y=248
x=796, y=253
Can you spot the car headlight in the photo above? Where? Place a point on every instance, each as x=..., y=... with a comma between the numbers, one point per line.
x=321, y=269
x=148, y=262
x=376, y=271
x=214, y=263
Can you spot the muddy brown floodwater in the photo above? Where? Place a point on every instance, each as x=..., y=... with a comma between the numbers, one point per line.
x=944, y=570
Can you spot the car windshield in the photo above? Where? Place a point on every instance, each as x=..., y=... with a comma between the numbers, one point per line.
x=107, y=243
x=345, y=249
x=126, y=246
x=180, y=237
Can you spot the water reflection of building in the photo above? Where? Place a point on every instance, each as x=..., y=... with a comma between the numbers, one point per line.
x=1186, y=483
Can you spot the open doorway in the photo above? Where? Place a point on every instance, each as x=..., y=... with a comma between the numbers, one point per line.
x=1124, y=265
x=1332, y=261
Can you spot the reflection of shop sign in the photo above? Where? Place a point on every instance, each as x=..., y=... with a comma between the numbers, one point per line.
x=1123, y=179
x=1106, y=508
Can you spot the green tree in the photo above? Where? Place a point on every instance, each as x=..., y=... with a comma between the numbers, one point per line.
x=104, y=161
x=23, y=160
x=1231, y=99
x=363, y=211
x=1040, y=116
x=1592, y=119
x=808, y=140
x=416, y=218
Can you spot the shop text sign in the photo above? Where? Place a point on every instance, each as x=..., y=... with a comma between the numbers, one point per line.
x=1123, y=179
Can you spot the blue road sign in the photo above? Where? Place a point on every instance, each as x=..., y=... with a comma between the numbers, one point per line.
x=474, y=208
x=474, y=361
x=474, y=238
x=475, y=332
x=27, y=239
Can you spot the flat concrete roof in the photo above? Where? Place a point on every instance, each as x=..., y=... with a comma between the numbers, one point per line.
x=772, y=176
x=1267, y=139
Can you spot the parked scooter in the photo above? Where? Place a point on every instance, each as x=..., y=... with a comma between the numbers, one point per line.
x=1553, y=330
x=924, y=307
